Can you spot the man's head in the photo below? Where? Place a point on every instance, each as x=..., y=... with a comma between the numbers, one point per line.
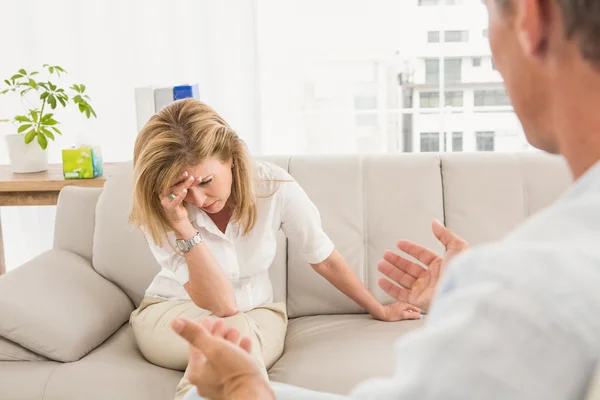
x=548, y=52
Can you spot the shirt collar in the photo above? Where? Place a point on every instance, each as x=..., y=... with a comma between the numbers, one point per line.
x=201, y=220
x=589, y=182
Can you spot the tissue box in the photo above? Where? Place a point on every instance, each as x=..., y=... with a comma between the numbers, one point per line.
x=82, y=162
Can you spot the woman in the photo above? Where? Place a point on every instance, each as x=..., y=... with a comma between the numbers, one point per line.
x=211, y=216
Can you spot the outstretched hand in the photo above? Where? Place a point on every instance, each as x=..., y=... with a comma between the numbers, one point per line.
x=417, y=284
x=220, y=365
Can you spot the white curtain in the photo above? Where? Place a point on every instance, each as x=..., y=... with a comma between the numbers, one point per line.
x=113, y=46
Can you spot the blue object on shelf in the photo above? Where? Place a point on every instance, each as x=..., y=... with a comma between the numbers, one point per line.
x=185, y=92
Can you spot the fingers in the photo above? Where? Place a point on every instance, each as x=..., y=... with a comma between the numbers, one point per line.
x=412, y=315
x=402, y=264
x=246, y=344
x=179, y=190
x=232, y=335
x=417, y=251
x=198, y=336
x=411, y=308
x=219, y=329
x=392, y=290
x=183, y=186
x=195, y=356
x=396, y=275
x=449, y=239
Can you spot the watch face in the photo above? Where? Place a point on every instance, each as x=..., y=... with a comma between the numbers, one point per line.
x=181, y=246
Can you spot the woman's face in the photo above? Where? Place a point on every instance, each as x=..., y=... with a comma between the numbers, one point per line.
x=212, y=185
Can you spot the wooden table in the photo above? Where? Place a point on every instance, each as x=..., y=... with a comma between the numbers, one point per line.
x=40, y=189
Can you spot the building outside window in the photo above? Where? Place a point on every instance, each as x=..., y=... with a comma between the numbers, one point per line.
x=485, y=141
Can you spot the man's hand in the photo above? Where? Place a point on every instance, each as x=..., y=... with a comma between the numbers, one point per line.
x=419, y=284
x=219, y=366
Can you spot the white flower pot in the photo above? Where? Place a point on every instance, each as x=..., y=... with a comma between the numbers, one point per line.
x=26, y=158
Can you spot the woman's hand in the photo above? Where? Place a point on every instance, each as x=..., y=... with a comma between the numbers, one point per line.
x=172, y=201
x=398, y=311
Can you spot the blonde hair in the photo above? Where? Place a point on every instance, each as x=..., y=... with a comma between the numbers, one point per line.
x=187, y=132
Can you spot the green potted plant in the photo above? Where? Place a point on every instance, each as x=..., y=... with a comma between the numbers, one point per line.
x=39, y=97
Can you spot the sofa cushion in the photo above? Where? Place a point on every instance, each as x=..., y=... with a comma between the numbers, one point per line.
x=366, y=204
x=115, y=370
x=57, y=306
x=133, y=267
x=10, y=351
x=334, y=353
x=487, y=195
x=25, y=380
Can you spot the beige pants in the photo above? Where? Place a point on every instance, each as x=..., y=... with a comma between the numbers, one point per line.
x=265, y=325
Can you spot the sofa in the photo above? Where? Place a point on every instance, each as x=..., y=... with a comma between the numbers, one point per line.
x=64, y=331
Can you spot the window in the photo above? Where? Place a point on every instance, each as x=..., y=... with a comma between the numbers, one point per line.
x=457, y=141
x=429, y=99
x=453, y=70
x=330, y=69
x=432, y=99
x=484, y=141
x=456, y=36
x=430, y=142
x=432, y=70
x=485, y=98
x=454, y=98
x=407, y=133
x=433, y=37
x=407, y=98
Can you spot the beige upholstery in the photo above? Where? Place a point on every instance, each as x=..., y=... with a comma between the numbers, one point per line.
x=10, y=351
x=486, y=195
x=366, y=205
x=333, y=352
x=120, y=251
x=594, y=388
x=72, y=303
x=80, y=204
x=58, y=307
x=117, y=370
x=26, y=380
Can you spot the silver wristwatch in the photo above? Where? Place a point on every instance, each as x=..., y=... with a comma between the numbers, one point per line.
x=185, y=245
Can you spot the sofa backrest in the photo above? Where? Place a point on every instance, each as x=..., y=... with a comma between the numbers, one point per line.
x=367, y=203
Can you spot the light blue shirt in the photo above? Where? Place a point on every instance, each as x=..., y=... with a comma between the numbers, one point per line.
x=516, y=319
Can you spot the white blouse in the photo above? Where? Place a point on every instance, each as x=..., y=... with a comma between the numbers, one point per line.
x=245, y=259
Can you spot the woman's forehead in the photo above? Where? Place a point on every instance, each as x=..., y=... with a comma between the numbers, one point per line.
x=206, y=168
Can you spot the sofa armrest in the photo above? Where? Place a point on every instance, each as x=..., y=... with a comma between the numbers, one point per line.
x=75, y=220
x=57, y=306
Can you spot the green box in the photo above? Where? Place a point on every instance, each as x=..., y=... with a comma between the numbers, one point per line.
x=82, y=162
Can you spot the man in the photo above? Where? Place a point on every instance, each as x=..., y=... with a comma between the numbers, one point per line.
x=516, y=319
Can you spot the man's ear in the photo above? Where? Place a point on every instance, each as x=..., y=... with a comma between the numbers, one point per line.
x=531, y=24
